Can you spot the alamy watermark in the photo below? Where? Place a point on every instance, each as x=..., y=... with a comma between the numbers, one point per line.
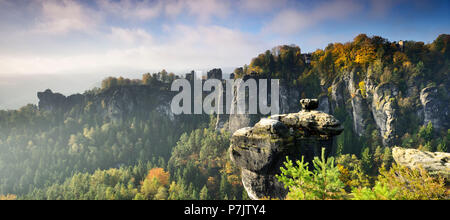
x=241, y=96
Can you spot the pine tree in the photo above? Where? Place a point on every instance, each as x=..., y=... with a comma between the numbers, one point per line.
x=224, y=187
x=162, y=193
x=173, y=193
x=340, y=148
x=367, y=160
x=442, y=147
x=195, y=195
x=387, y=156
x=245, y=195
x=204, y=193
x=321, y=183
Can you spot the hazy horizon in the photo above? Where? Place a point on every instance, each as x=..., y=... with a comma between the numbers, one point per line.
x=26, y=86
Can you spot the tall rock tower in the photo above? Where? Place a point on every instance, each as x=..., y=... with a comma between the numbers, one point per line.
x=261, y=150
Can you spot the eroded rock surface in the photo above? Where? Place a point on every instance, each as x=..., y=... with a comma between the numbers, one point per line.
x=49, y=101
x=261, y=150
x=437, y=163
x=435, y=107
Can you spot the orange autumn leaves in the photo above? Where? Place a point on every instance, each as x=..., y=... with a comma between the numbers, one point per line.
x=160, y=175
x=154, y=185
x=8, y=197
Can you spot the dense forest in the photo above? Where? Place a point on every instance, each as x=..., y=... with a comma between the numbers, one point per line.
x=81, y=154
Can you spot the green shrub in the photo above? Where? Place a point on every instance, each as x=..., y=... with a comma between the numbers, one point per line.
x=402, y=183
x=378, y=192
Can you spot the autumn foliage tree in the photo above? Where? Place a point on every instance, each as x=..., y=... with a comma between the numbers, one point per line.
x=160, y=175
x=154, y=185
x=8, y=197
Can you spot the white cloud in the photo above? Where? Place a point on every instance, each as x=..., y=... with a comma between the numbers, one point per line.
x=130, y=36
x=133, y=50
x=173, y=8
x=261, y=5
x=209, y=46
x=61, y=17
x=203, y=10
x=206, y=9
x=290, y=21
x=142, y=10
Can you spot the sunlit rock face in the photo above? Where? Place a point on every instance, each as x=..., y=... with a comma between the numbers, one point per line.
x=435, y=106
x=261, y=150
x=436, y=163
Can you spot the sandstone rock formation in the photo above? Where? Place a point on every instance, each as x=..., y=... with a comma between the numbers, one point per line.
x=435, y=107
x=261, y=150
x=436, y=163
x=368, y=103
x=49, y=101
x=384, y=111
x=288, y=102
x=214, y=74
x=113, y=103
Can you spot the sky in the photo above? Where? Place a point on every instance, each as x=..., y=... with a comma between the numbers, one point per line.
x=91, y=39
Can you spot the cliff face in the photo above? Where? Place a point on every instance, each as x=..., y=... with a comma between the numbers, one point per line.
x=384, y=111
x=372, y=103
x=369, y=104
x=114, y=103
x=49, y=101
x=435, y=109
x=288, y=102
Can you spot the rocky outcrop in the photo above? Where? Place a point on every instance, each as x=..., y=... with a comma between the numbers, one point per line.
x=324, y=104
x=214, y=74
x=114, y=103
x=435, y=107
x=346, y=94
x=436, y=163
x=338, y=93
x=384, y=111
x=236, y=119
x=370, y=105
x=56, y=102
x=361, y=113
x=287, y=103
x=261, y=150
x=367, y=103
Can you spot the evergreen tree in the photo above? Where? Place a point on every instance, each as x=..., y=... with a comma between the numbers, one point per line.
x=367, y=160
x=204, y=193
x=321, y=183
x=224, y=187
x=161, y=194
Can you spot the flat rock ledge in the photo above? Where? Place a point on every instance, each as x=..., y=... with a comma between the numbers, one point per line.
x=436, y=163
